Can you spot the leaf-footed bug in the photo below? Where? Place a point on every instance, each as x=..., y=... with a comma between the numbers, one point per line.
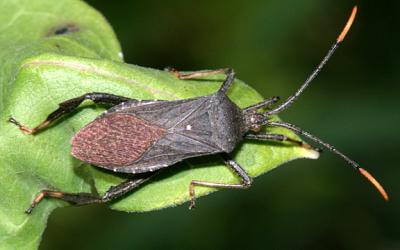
x=142, y=137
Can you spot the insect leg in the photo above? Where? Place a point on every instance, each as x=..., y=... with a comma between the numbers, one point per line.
x=69, y=106
x=279, y=138
x=88, y=198
x=245, y=182
x=230, y=76
x=195, y=74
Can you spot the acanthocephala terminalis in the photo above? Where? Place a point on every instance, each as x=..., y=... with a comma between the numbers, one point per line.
x=144, y=136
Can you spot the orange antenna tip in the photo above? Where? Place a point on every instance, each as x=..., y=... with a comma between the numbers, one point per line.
x=375, y=183
x=348, y=25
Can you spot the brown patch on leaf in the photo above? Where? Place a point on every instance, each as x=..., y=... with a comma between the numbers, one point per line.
x=63, y=29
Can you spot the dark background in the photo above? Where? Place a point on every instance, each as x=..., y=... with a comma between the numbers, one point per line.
x=272, y=45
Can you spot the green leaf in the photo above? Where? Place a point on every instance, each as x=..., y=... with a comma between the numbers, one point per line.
x=40, y=69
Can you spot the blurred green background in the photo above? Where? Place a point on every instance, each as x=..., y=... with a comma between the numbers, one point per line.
x=273, y=45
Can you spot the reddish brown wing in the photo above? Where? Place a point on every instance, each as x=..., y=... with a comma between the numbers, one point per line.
x=114, y=140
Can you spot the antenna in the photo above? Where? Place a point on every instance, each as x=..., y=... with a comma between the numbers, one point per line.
x=355, y=165
x=311, y=77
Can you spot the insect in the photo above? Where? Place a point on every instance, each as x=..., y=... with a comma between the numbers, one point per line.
x=144, y=136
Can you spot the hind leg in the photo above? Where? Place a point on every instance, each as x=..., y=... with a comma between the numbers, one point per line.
x=112, y=193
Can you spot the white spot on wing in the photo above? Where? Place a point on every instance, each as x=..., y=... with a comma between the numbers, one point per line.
x=189, y=127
